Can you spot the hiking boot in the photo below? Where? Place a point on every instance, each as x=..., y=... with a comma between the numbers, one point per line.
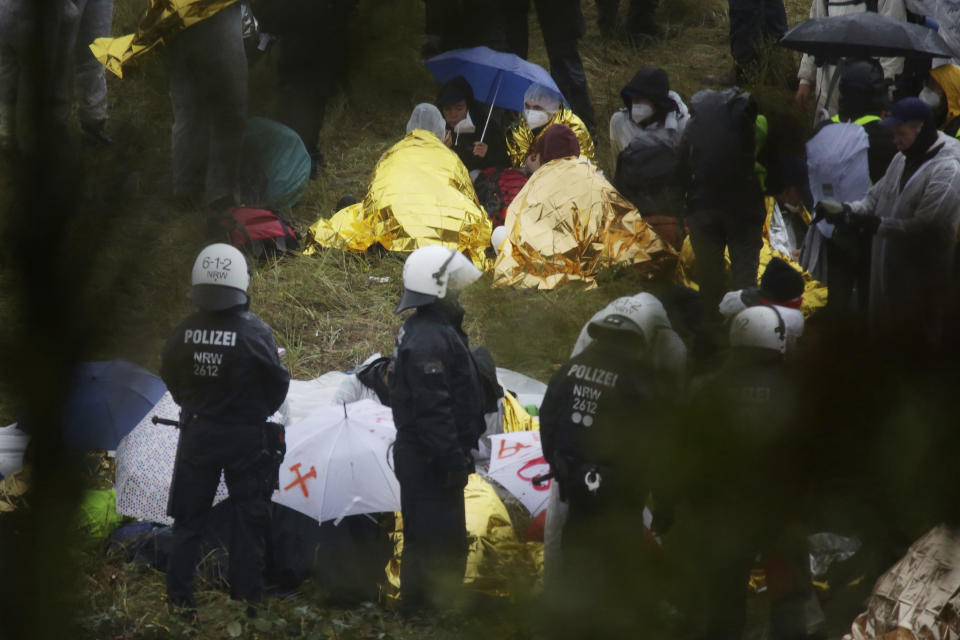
x=94, y=134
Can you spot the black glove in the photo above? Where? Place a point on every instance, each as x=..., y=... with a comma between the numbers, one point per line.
x=866, y=223
x=835, y=213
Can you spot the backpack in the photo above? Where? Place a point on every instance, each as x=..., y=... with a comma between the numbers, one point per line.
x=260, y=231
x=721, y=137
x=646, y=175
x=496, y=189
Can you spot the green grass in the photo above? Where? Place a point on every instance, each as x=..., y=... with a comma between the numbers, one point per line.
x=127, y=258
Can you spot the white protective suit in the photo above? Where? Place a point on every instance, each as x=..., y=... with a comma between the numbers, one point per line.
x=667, y=354
x=912, y=256
x=820, y=77
x=623, y=130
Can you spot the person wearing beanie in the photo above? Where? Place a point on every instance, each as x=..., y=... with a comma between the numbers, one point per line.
x=558, y=141
x=466, y=119
x=781, y=286
x=914, y=211
x=649, y=108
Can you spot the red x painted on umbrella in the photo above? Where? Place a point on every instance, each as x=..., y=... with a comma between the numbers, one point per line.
x=301, y=479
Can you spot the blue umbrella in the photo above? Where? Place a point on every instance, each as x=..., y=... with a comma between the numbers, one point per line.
x=498, y=79
x=106, y=401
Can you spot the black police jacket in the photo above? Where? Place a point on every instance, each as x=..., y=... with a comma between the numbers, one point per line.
x=223, y=366
x=435, y=388
x=599, y=410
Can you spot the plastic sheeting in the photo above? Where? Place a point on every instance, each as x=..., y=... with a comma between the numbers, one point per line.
x=162, y=20
x=520, y=138
x=568, y=223
x=13, y=442
x=919, y=597
x=420, y=194
x=495, y=557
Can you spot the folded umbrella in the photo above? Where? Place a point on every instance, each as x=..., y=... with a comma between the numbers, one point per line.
x=863, y=35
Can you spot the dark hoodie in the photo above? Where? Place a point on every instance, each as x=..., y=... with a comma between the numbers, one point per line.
x=459, y=89
x=653, y=84
x=863, y=92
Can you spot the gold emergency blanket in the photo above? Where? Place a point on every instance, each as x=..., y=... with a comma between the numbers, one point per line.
x=164, y=19
x=814, y=291
x=520, y=138
x=420, y=194
x=515, y=417
x=568, y=223
x=919, y=596
x=496, y=560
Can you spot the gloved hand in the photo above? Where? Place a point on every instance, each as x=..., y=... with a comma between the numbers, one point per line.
x=832, y=211
x=866, y=223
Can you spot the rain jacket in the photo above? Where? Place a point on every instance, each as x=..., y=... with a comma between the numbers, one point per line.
x=435, y=390
x=912, y=255
x=223, y=366
x=420, y=194
x=948, y=77
x=520, y=138
x=623, y=130
x=820, y=77
x=567, y=223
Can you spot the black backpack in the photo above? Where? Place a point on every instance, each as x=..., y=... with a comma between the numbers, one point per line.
x=646, y=175
x=721, y=142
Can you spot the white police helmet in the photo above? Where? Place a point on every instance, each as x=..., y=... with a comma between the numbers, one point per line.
x=429, y=273
x=220, y=278
x=760, y=327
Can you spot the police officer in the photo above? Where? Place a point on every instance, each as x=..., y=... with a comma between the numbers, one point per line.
x=222, y=367
x=596, y=423
x=438, y=406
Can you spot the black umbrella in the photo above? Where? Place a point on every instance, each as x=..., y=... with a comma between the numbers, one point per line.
x=863, y=35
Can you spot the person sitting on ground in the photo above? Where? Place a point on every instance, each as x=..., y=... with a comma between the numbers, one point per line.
x=542, y=107
x=650, y=108
x=787, y=216
x=420, y=194
x=780, y=285
x=568, y=222
x=466, y=119
x=942, y=94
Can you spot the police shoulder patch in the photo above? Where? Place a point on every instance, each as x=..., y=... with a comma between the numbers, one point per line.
x=433, y=367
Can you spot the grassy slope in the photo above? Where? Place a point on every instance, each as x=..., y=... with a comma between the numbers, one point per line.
x=327, y=311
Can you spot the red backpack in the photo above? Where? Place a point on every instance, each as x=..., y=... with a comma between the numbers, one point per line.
x=496, y=189
x=259, y=231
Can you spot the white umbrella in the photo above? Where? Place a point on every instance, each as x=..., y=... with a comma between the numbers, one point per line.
x=145, y=459
x=515, y=460
x=339, y=462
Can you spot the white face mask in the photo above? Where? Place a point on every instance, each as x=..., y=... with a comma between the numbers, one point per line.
x=931, y=97
x=536, y=118
x=465, y=126
x=640, y=112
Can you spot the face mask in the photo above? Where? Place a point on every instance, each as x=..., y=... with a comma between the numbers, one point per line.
x=536, y=118
x=931, y=97
x=640, y=112
x=465, y=126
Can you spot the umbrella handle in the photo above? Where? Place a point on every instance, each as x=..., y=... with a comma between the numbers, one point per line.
x=490, y=112
x=539, y=480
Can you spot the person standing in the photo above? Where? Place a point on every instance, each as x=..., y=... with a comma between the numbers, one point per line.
x=94, y=21
x=914, y=211
x=208, y=89
x=754, y=24
x=640, y=26
x=221, y=366
x=438, y=407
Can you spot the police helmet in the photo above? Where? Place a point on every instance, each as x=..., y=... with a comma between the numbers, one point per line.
x=220, y=278
x=616, y=326
x=760, y=327
x=430, y=272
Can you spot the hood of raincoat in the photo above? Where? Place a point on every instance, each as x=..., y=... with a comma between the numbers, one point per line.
x=420, y=194
x=427, y=117
x=520, y=139
x=948, y=77
x=653, y=84
x=568, y=223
